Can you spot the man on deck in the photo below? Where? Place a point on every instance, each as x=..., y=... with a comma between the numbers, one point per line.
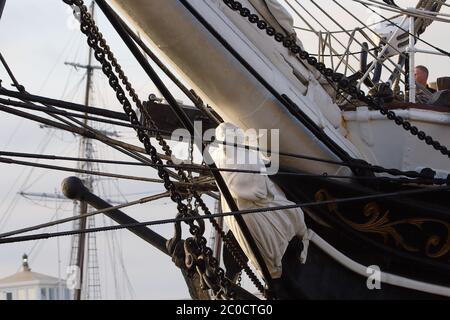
x=421, y=74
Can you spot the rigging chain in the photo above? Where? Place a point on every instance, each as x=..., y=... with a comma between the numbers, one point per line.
x=95, y=37
x=204, y=262
x=4, y=240
x=374, y=168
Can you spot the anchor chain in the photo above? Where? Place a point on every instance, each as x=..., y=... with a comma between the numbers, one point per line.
x=239, y=281
x=229, y=241
x=342, y=82
x=198, y=255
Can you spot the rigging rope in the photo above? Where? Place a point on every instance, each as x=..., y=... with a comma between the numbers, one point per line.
x=89, y=172
x=86, y=215
x=229, y=242
x=418, y=179
x=418, y=13
x=110, y=67
x=225, y=214
x=444, y=52
x=90, y=132
x=373, y=168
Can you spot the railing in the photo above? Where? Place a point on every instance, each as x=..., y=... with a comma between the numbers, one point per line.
x=363, y=41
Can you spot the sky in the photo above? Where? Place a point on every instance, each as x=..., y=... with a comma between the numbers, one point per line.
x=36, y=51
x=37, y=38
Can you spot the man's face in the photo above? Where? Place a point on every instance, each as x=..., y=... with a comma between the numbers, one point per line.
x=421, y=76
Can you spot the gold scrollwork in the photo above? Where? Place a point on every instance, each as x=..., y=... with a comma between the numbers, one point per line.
x=436, y=246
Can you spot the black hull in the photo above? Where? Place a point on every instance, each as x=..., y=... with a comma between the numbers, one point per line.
x=408, y=237
x=323, y=278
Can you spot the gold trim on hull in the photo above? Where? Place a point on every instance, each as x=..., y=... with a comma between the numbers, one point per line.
x=436, y=246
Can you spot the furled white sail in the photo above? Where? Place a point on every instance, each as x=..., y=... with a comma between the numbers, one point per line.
x=271, y=230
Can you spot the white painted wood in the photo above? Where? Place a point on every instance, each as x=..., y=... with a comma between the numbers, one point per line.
x=388, y=278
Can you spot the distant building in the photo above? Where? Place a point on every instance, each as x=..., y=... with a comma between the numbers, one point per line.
x=28, y=285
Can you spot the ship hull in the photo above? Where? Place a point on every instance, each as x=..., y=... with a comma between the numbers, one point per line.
x=406, y=238
x=325, y=278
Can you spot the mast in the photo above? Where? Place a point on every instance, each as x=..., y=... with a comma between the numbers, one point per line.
x=84, y=251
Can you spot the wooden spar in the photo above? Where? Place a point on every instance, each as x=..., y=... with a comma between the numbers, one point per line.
x=73, y=188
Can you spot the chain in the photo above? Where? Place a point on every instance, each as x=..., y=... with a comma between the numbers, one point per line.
x=197, y=252
x=229, y=241
x=234, y=249
x=338, y=78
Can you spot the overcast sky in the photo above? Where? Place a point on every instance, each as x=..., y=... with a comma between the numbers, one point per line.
x=37, y=37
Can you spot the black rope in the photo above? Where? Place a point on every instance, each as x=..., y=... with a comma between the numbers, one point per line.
x=225, y=214
x=53, y=157
x=199, y=168
x=95, y=173
x=86, y=215
x=181, y=115
x=64, y=104
x=83, y=131
x=376, y=169
x=64, y=113
x=373, y=168
x=89, y=132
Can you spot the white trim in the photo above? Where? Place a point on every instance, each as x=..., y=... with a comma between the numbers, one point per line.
x=385, y=277
x=429, y=116
x=412, y=59
x=30, y=283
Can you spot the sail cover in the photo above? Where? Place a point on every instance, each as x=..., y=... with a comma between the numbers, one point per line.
x=275, y=14
x=271, y=230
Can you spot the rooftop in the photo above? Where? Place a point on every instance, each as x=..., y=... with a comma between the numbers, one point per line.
x=26, y=275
